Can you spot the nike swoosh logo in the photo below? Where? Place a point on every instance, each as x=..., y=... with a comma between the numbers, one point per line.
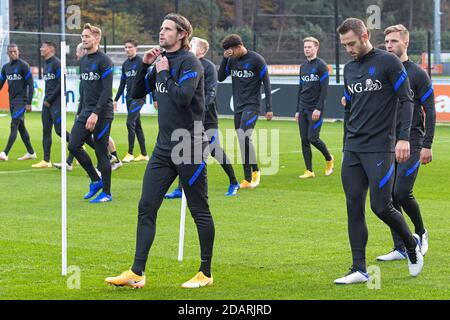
x=187, y=71
x=380, y=163
x=263, y=96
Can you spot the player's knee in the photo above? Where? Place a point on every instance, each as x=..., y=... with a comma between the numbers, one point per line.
x=314, y=140
x=355, y=203
x=306, y=143
x=131, y=124
x=15, y=124
x=147, y=209
x=47, y=132
x=74, y=147
x=201, y=214
x=402, y=195
x=382, y=210
x=58, y=131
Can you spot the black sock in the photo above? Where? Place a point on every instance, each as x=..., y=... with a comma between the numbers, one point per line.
x=139, y=273
x=114, y=153
x=255, y=167
x=138, y=267
x=359, y=267
x=205, y=267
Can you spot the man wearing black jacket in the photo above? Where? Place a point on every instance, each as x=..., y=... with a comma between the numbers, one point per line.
x=312, y=93
x=210, y=122
x=178, y=78
x=377, y=93
x=95, y=114
x=421, y=139
x=134, y=106
x=20, y=88
x=51, y=109
x=248, y=70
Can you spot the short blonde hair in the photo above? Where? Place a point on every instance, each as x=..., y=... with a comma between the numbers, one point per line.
x=96, y=31
x=202, y=43
x=311, y=39
x=397, y=28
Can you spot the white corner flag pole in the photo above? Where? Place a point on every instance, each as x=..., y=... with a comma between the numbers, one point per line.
x=182, y=223
x=63, y=162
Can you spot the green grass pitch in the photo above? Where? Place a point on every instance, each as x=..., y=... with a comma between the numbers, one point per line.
x=286, y=239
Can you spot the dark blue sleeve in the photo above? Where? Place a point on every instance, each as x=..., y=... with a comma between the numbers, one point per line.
x=264, y=76
x=426, y=96
x=224, y=70
x=144, y=82
x=123, y=82
x=26, y=73
x=398, y=78
x=57, y=91
x=2, y=78
x=324, y=79
x=182, y=92
x=106, y=77
x=210, y=84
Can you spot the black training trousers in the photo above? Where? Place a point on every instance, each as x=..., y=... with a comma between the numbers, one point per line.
x=244, y=123
x=79, y=136
x=134, y=125
x=159, y=175
x=51, y=117
x=310, y=135
x=405, y=178
x=18, y=125
x=361, y=171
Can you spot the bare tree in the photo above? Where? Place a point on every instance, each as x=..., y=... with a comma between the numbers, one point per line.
x=239, y=13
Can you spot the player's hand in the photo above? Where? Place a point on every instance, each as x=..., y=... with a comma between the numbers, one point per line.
x=91, y=122
x=115, y=106
x=46, y=104
x=426, y=156
x=296, y=116
x=151, y=55
x=269, y=116
x=162, y=64
x=316, y=115
x=155, y=104
x=343, y=101
x=228, y=53
x=28, y=108
x=402, y=151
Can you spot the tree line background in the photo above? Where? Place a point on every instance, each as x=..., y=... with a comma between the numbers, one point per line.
x=275, y=28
